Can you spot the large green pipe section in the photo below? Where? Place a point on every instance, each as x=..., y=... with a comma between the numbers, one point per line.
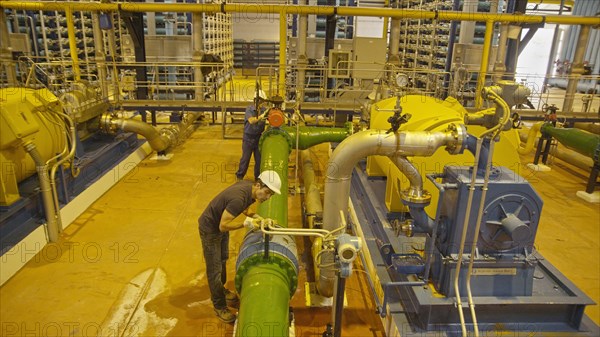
x=275, y=148
x=305, y=137
x=267, y=281
x=276, y=145
x=588, y=144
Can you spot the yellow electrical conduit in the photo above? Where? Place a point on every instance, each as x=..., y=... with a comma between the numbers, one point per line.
x=296, y=9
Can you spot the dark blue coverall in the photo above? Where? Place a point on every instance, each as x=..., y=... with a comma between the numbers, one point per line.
x=252, y=133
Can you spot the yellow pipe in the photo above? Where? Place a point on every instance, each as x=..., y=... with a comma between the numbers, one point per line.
x=169, y=7
x=530, y=143
x=73, y=43
x=298, y=9
x=485, y=55
x=525, y=149
x=552, y=2
x=282, y=54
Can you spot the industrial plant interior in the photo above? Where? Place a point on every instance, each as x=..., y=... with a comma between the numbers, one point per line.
x=438, y=159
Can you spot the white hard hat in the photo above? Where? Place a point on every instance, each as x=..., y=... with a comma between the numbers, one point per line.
x=271, y=179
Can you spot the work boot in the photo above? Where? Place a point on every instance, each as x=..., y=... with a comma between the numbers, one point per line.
x=225, y=315
x=231, y=298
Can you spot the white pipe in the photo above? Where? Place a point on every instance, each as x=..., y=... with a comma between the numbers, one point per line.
x=266, y=226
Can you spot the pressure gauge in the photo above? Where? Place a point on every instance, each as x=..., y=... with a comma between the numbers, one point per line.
x=402, y=80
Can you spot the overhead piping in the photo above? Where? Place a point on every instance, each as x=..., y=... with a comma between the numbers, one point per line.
x=297, y=9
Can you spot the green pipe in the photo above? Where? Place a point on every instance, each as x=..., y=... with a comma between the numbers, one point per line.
x=312, y=135
x=264, y=302
x=588, y=144
x=266, y=285
x=275, y=150
x=275, y=147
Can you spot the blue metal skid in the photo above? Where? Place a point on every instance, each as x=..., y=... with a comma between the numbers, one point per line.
x=555, y=307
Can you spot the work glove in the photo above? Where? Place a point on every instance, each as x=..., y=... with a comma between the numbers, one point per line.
x=252, y=223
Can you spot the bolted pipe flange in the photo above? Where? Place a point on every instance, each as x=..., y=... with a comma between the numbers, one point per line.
x=459, y=134
x=413, y=196
x=107, y=125
x=282, y=252
x=276, y=131
x=171, y=133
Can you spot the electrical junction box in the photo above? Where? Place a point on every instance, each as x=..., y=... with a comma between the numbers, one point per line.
x=369, y=57
x=339, y=63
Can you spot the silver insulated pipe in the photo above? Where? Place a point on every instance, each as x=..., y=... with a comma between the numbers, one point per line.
x=369, y=143
x=159, y=140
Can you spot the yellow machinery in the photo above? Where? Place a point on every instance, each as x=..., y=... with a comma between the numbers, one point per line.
x=26, y=115
x=430, y=114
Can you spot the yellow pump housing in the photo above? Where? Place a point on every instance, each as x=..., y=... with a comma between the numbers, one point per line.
x=431, y=114
x=26, y=115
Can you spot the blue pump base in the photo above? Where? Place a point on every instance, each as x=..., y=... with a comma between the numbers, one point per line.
x=554, y=308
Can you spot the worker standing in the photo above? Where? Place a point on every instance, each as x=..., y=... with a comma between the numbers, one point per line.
x=214, y=225
x=253, y=129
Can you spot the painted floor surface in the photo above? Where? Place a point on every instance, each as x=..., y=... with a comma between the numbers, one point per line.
x=132, y=264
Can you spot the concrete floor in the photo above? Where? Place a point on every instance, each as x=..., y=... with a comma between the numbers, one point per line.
x=132, y=263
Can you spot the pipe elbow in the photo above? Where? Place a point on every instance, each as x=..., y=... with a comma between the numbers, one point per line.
x=421, y=219
x=157, y=140
x=530, y=143
x=326, y=275
x=325, y=285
